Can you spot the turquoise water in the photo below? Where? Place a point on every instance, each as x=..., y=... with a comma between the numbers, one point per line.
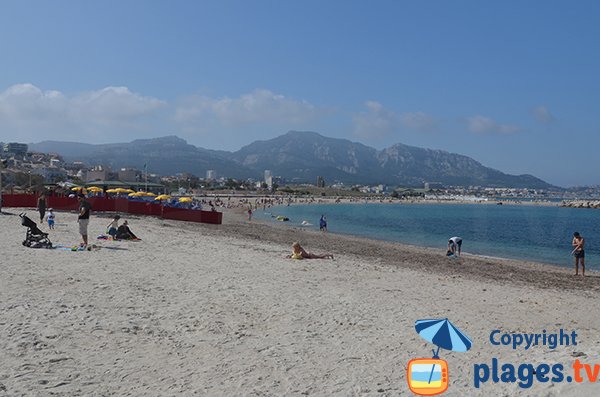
x=537, y=233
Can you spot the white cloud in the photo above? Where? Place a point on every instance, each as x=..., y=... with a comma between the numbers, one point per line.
x=418, y=121
x=542, y=115
x=31, y=114
x=377, y=121
x=112, y=104
x=484, y=125
x=257, y=107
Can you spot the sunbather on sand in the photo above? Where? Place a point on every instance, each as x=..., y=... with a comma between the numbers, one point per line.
x=299, y=253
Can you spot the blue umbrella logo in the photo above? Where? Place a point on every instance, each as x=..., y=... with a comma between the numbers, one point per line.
x=430, y=376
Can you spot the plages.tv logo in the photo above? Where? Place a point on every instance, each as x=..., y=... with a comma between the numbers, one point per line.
x=429, y=376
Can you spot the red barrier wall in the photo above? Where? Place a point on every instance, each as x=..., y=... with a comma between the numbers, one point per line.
x=108, y=204
x=138, y=207
x=19, y=200
x=61, y=203
x=182, y=214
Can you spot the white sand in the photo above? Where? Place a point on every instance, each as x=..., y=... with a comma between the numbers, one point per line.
x=191, y=310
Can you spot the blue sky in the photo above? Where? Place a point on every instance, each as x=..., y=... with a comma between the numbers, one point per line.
x=513, y=84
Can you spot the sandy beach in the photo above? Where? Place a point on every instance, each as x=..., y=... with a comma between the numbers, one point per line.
x=216, y=310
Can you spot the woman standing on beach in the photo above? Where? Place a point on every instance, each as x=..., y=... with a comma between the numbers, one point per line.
x=579, y=253
x=41, y=205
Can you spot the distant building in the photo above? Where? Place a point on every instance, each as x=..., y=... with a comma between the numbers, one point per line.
x=432, y=185
x=279, y=180
x=380, y=189
x=74, y=167
x=320, y=181
x=211, y=175
x=269, y=178
x=15, y=148
x=128, y=174
x=98, y=173
x=269, y=182
x=50, y=174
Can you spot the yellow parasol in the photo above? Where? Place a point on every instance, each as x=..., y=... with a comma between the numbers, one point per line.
x=136, y=194
x=94, y=189
x=150, y=194
x=121, y=190
x=112, y=191
x=76, y=188
x=162, y=197
x=185, y=200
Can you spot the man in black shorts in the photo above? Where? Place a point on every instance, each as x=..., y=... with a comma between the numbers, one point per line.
x=579, y=253
x=84, y=217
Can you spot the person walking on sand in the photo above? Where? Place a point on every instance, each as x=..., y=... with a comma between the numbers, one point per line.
x=454, y=246
x=50, y=218
x=41, y=205
x=84, y=217
x=578, y=252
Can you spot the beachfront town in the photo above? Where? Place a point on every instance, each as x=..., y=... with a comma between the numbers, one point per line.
x=26, y=171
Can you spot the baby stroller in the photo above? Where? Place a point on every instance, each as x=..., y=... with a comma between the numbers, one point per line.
x=35, y=238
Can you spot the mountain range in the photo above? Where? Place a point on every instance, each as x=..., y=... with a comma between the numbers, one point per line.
x=297, y=156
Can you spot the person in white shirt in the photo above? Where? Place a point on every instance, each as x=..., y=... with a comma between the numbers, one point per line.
x=50, y=218
x=454, y=246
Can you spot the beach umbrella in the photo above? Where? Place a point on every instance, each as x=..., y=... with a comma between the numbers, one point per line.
x=129, y=191
x=112, y=191
x=136, y=194
x=185, y=200
x=94, y=189
x=121, y=190
x=442, y=333
x=76, y=188
x=150, y=194
x=162, y=197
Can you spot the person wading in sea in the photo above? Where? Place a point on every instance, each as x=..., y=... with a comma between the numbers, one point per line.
x=579, y=253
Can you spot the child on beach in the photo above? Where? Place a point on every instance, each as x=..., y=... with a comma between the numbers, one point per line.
x=50, y=218
x=299, y=253
x=113, y=226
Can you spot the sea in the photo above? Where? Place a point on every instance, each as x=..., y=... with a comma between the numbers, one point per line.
x=527, y=232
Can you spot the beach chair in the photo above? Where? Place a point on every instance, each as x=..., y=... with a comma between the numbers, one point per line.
x=34, y=238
